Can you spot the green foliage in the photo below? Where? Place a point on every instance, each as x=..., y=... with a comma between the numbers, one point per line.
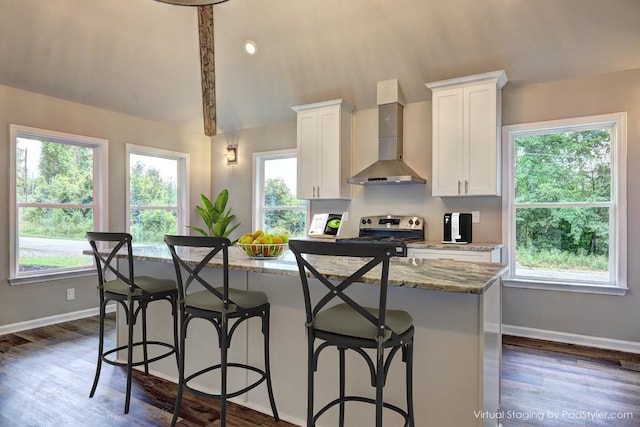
x=149, y=226
x=216, y=216
x=64, y=223
x=553, y=259
x=63, y=175
x=279, y=218
x=556, y=168
x=31, y=263
x=149, y=188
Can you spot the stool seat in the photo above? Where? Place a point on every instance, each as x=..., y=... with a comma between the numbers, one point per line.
x=344, y=320
x=148, y=284
x=243, y=300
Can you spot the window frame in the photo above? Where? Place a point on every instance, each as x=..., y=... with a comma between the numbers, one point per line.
x=182, y=183
x=99, y=205
x=618, y=209
x=258, y=184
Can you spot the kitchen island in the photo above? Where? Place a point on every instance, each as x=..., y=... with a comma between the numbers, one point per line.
x=456, y=307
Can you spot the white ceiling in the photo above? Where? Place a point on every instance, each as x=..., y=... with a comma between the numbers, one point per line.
x=140, y=57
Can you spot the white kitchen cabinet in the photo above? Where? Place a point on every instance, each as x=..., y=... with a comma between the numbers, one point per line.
x=466, y=114
x=324, y=150
x=455, y=255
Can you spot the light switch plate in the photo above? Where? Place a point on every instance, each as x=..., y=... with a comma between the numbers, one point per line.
x=475, y=216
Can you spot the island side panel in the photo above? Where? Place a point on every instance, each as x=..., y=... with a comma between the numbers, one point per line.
x=447, y=356
x=491, y=353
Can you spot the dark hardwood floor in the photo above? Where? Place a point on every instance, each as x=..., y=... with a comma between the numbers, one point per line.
x=46, y=374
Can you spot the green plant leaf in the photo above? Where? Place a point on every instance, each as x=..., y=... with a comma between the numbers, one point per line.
x=199, y=230
x=221, y=201
x=229, y=231
x=206, y=217
x=220, y=226
x=208, y=206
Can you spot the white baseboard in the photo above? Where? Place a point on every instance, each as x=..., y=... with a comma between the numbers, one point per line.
x=567, y=338
x=52, y=320
x=267, y=411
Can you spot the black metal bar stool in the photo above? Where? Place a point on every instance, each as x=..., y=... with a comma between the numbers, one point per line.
x=133, y=293
x=225, y=308
x=351, y=326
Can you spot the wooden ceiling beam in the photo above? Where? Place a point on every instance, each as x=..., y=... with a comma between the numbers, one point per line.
x=208, y=68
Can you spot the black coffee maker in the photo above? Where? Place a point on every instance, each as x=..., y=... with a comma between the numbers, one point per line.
x=457, y=228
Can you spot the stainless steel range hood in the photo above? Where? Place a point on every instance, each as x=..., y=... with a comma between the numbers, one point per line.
x=389, y=169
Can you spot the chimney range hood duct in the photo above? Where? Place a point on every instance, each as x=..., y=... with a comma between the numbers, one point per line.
x=389, y=169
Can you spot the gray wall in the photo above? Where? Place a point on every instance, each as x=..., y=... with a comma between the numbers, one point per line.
x=613, y=317
x=32, y=301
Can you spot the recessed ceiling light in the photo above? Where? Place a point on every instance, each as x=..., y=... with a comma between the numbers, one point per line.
x=250, y=47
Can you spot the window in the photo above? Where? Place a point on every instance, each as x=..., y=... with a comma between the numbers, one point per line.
x=58, y=193
x=157, y=193
x=565, y=204
x=276, y=208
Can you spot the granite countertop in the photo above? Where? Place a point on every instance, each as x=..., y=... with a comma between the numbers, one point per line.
x=432, y=244
x=436, y=275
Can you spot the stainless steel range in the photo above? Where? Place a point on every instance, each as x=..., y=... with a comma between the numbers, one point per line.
x=389, y=229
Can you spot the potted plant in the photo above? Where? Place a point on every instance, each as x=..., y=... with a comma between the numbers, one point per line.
x=216, y=216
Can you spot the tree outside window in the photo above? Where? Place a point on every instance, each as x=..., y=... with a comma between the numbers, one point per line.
x=156, y=192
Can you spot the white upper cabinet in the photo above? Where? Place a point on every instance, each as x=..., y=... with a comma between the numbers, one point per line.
x=324, y=150
x=466, y=135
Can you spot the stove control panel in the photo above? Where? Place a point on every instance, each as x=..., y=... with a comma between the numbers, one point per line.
x=387, y=222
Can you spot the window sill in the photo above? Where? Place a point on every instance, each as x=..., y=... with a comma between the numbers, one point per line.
x=25, y=280
x=566, y=287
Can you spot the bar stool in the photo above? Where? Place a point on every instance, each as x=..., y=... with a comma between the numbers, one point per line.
x=129, y=290
x=351, y=326
x=224, y=307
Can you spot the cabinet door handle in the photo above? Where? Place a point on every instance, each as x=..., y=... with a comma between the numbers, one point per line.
x=314, y=191
x=466, y=186
x=458, y=186
x=318, y=192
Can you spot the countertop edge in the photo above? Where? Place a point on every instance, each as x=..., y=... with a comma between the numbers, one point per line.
x=435, y=275
x=474, y=247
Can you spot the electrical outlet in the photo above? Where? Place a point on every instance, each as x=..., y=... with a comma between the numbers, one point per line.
x=71, y=294
x=475, y=216
x=345, y=216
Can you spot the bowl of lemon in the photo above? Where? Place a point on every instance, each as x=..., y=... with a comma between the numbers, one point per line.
x=258, y=245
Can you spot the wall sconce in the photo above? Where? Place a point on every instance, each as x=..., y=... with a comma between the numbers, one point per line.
x=231, y=154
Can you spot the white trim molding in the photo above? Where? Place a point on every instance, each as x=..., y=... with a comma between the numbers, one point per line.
x=52, y=320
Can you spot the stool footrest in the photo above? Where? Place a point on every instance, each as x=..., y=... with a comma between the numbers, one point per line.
x=362, y=399
x=263, y=377
x=171, y=351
